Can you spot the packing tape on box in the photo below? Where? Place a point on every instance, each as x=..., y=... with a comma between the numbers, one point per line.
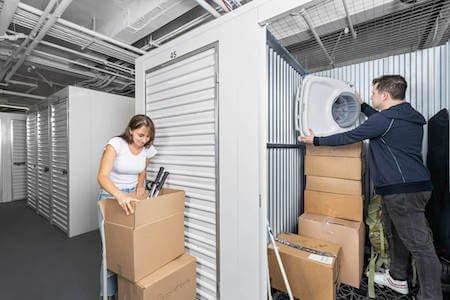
x=303, y=248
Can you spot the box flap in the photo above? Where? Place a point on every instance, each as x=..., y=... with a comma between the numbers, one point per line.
x=175, y=265
x=352, y=150
x=330, y=220
x=169, y=202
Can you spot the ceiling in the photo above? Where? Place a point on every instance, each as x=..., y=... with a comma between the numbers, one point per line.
x=92, y=44
x=354, y=30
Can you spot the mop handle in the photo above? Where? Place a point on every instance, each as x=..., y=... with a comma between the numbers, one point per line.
x=280, y=263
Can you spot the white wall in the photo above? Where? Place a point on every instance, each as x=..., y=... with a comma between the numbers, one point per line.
x=6, y=155
x=94, y=118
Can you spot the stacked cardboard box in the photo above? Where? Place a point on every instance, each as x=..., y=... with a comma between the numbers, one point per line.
x=312, y=268
x=146, y=249
x=334, y=204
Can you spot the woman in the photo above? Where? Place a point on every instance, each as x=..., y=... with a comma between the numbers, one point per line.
x=122, y=171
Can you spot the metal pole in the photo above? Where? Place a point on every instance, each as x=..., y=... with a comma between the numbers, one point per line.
x=315, y=34
x=280, y=263
x=349, y=20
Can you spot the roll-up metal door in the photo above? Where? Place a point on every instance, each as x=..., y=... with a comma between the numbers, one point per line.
x=285, y=157
x=181, y=98
x=43, y=155
x=59, y=164
x=19, y=157
x=32, y=199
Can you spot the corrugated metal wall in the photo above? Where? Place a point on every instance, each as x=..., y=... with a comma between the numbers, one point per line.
x=285, y=168
x=426, y=71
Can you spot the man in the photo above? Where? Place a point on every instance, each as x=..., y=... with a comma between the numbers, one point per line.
x=399, y=176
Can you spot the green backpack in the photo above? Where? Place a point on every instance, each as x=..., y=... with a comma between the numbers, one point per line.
x=379, y=255
x=379, y=247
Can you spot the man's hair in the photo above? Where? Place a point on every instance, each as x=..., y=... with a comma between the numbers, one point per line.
x=395, y=85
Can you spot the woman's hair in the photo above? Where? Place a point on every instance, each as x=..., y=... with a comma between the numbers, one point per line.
x=137, y=122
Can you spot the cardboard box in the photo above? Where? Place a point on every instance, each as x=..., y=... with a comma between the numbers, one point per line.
x=348, y=234
x=352, y=150
x=311, y=276
x=334, y=185
x=349, y=207
x=141, y=243
x=174, y=281
x=336, y=167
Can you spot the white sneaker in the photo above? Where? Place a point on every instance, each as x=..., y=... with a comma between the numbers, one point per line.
x=385, y=279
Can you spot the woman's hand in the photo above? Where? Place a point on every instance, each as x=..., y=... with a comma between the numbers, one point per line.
x=125, y=203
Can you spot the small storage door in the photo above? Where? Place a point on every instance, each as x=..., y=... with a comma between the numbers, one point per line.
x=43, y=155
x=60, y=164
x=19, y=155
x=181, y=99
x=32, y=198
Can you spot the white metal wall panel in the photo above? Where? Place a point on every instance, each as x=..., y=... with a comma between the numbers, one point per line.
x=426, y=71
x=181, y=100
x=43, y=155
x=59, y=164
x=32, y=199
x=285, y=158
x=19, y=157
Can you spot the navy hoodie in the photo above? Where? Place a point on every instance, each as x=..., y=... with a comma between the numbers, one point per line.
x=395, y=149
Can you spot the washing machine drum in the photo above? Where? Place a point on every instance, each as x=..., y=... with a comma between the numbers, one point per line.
x=325, y=105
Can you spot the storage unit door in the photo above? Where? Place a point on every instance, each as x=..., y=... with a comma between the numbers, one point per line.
x=59, y=165
x=32, y=199
x=43, y=154
x=181, y=99
x=19, y=156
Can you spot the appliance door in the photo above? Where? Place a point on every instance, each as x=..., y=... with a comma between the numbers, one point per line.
x=325, y=105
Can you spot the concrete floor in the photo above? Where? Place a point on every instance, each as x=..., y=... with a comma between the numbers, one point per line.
x=39, y=262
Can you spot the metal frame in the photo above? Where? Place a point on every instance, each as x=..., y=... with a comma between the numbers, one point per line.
x=214, y=46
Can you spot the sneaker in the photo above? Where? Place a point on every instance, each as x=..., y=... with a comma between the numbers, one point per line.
x=385, y=279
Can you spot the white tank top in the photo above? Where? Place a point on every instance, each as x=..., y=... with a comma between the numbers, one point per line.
x=127, y=166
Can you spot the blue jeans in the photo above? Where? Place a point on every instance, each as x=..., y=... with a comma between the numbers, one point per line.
x=111, y=281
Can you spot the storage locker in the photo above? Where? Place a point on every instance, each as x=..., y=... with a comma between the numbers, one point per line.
x=71, y=136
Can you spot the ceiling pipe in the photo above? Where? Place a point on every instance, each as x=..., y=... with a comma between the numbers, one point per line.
x=208, y=8
x=15, y=107
x=315, y=34
x=17, y=82
x=33, y=32
x=85, y=30
x=28, y=16
x=11, y=93
x=222, y=5
x=52, y=19
x=349, y=20
x=7, y=14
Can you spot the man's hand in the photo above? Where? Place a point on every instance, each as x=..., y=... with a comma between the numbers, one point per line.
x=308, y=139
x=359, y=98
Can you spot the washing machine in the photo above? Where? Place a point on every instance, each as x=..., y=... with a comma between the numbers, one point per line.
x=325, y=105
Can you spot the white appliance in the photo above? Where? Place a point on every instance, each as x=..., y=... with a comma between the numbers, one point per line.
x=325, y=105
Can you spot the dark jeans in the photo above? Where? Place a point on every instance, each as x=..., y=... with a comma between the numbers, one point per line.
x=408, y=233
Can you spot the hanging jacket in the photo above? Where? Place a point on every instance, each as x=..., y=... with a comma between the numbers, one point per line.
x=395, y=148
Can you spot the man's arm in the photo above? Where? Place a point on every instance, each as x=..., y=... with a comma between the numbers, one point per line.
x=375, y=126
x=367, y=109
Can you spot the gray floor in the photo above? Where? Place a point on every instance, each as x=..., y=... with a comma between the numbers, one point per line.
x=39, y=262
